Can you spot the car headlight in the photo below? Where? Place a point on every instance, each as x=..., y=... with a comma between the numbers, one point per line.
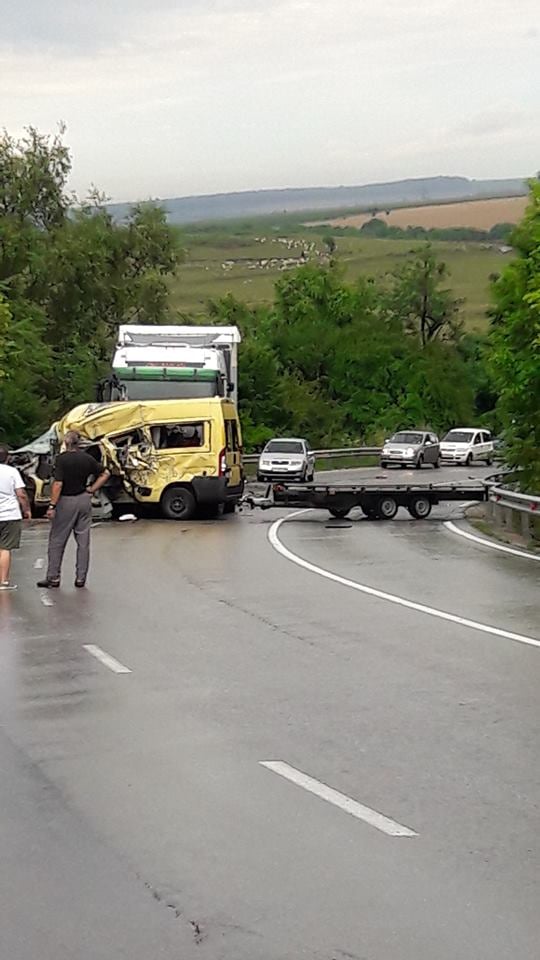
x=265, y=463
x=409, y=452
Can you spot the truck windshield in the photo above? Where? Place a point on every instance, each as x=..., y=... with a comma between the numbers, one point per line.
x=284, y=446
x=406, y=438
x=169, y=389
x=458, y=436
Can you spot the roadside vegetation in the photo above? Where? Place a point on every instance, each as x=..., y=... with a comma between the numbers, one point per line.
x=346, y=337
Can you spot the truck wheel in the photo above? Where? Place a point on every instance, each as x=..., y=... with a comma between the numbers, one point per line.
x=229, y=506
x=387, y=508
x=420, y=508
x=178, y=503
x=339, y=514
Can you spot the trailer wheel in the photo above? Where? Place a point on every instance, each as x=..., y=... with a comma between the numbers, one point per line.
x=386, y=508
x=339, y=514
x=420, y=508
x=178, y=503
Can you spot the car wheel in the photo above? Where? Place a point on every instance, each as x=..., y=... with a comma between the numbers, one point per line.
x=178, y=503
x=468, y=461
x=420, y=508
x=437, y=463
x=419, y=463
x=386, y=508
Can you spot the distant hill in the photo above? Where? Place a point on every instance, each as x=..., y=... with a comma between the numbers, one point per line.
x=224, y=206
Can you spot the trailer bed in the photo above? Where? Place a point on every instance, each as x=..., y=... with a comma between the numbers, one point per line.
x=377, y=501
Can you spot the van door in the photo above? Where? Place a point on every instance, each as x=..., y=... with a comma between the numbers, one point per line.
x=478, y=447
x=233, y=453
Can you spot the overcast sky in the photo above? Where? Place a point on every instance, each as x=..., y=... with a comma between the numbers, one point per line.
x=174, y=97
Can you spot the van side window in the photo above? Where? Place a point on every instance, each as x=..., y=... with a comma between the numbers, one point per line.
x=175, y=436
x=231, y=434
x=478, y=438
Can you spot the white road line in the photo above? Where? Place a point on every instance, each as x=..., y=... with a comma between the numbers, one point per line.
x=383, y=595
x=46, y=600
x=487, y=543
x=341, y=800
x=39, y=563
x=106, y=658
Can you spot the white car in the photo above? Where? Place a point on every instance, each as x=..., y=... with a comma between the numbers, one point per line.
x=465, y=445
x=289, y=458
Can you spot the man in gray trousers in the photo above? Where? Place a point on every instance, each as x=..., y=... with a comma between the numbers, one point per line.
x=77, y=476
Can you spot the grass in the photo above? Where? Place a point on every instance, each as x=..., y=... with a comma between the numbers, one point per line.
x=203, y=277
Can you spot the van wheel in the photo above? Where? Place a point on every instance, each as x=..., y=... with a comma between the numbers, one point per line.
x=489, y=461
x=420, y=508
x=178, y=503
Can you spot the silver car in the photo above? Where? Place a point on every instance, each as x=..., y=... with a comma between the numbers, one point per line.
x=289, y=458
x=411, y=448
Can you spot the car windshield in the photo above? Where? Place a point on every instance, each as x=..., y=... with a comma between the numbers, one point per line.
x=406, y=438
x=459, y=436
x=284, y=446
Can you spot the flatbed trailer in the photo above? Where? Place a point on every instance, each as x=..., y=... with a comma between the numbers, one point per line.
x=378, y=502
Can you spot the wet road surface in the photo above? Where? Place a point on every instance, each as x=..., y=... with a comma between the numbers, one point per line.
x=136, y=817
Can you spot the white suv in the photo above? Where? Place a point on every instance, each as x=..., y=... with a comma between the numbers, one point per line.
x=466, y=444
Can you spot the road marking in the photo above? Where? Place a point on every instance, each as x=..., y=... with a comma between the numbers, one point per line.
x=383, y=595
x=46, y=600
x=39, y=563
x=106, y=658
x=391, y=827
x=487, y=543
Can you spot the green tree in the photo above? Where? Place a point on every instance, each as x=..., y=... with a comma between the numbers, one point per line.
x=69, y=275
x=428, y=310
x=516, y=346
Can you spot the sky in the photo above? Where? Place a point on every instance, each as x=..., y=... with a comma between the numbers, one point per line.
x=166, y=98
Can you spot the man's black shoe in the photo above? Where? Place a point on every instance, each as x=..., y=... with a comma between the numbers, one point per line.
x=48, y=584
x=80, y=583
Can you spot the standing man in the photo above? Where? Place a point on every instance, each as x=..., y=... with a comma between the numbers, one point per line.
x=77, y=476
x=13, y=506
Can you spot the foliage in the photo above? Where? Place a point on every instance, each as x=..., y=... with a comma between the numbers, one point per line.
x=516, y=346
x=375, y=227
x=335, y=361
x=428, y=311
x=68, y=276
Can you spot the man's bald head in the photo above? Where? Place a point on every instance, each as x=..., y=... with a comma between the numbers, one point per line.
x=72, y=440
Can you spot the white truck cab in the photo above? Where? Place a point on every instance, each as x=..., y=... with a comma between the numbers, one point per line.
x=465, y=445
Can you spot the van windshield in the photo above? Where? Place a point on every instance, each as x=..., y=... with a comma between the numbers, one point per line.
x=284, y=446
x=404, y=437
x=459, y=436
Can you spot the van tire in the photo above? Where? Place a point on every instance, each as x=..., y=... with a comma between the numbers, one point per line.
x=178, y=503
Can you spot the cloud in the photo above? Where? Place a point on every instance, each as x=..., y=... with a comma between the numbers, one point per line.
x=170, y=97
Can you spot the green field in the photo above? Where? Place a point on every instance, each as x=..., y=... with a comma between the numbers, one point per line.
x=204, y=277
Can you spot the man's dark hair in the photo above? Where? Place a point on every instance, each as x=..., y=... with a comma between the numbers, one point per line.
x=4, y=453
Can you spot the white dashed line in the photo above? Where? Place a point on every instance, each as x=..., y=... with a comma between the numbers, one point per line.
x=106, y=659
x=488, y=543
x=341, y=800
x=389, y=597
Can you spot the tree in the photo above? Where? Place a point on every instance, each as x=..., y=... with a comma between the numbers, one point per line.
x=428, y=311
x=516, y=346
x=69, y=275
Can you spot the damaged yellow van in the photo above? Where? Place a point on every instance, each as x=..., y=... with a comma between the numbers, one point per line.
x=184, y=455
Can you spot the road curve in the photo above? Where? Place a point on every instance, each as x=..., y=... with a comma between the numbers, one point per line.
x=238, y=657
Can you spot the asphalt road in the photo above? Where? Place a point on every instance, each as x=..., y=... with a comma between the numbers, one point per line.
x=136, y=817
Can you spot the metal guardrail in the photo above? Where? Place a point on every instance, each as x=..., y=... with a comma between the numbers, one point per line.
x=524, y=502
x=331, y=454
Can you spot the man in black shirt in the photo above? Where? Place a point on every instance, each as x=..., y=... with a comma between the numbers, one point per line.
x=77, y=476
